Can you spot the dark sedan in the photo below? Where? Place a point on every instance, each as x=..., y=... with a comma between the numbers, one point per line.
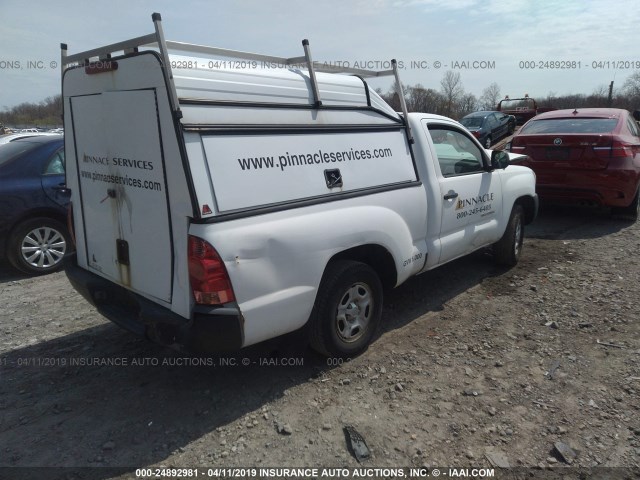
x=33, y=204
x=489, y=126
x=586, y=156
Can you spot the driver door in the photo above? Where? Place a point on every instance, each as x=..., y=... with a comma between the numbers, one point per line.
x=471, y=194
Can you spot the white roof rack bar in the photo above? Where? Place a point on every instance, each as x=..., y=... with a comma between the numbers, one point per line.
x=319, y=67
x=151, y=40
x=284, y=61
x=312, y=72
x=114, y=47
x=167, y=72
x=403, y=104
x=223, y=52
x=157, y=40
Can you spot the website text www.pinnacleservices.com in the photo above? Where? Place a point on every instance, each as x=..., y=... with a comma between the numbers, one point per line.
x=315, y=158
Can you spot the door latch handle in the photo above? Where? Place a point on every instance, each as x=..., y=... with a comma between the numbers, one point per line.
x=451, y=196
x=111, y=193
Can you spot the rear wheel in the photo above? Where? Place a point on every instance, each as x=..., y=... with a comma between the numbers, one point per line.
x=629, y=213
x=508, y=249
x=347, y=311
x=37, y=246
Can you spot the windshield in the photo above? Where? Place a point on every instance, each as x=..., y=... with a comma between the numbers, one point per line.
x=13, y=150
x=570, y=125
x=472, y=122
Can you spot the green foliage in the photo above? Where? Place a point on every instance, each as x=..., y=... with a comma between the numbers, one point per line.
x=46, y=113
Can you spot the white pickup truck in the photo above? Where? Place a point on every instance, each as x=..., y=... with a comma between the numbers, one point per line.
x=220, y=203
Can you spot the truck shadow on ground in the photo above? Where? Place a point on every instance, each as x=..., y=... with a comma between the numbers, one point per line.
x=101, y=397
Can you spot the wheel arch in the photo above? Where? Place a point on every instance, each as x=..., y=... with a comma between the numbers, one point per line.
x=35, y=213
x=377, y=257
x=529, y=206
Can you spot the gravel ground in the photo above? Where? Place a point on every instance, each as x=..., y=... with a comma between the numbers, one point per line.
x=474, y=367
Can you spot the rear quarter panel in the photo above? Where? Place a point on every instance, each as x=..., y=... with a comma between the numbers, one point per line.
x=276, y=261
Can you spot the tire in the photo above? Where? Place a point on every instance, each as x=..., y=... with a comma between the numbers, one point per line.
x=629, y=213
x=37, y=246
x=487, y=142
x=347, y=311
x=507, y=250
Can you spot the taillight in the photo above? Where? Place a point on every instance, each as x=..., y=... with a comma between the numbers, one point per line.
x=513, y=146
x=476, y=133
x=621, y=149
x=210, y=281
x=616, y=150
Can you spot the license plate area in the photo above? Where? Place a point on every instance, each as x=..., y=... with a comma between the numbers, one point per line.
x=557, y=154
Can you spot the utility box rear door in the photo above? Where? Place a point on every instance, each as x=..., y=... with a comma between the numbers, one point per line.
x=123, y=189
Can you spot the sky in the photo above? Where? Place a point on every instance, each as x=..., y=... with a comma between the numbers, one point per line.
x=517, y=44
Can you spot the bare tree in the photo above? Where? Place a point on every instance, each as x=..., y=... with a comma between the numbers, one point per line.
x=425, y=100
x=468, y=103
x=490, y=97
x=452, y=90
x=631, y=87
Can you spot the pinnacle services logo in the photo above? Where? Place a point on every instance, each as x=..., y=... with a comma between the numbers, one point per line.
x=470, y=202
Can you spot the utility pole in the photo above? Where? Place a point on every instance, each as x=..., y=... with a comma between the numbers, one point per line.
x=610, y=99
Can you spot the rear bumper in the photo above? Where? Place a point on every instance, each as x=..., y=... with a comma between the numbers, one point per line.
x=210, y=329
x=609, y=187
x=589, y=195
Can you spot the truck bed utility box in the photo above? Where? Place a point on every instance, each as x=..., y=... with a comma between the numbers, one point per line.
x=219, y=203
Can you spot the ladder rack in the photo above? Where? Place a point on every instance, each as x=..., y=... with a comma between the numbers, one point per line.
x=157, y=40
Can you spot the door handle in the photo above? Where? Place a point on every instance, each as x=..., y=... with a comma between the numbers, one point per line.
x=451, y=196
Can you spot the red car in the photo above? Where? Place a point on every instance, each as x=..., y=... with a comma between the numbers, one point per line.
x=588, y=155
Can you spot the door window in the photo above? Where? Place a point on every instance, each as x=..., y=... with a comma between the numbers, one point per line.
x=457, y=153
x=56, y=164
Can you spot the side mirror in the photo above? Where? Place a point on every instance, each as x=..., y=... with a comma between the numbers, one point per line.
x=636, y=115
x=499, y=159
